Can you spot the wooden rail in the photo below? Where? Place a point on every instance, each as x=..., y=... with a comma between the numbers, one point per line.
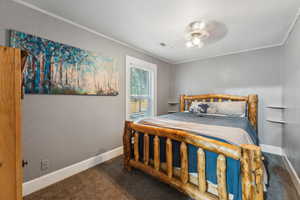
x=248, y=155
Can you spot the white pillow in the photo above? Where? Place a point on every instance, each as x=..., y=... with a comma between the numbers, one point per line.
x=233, y=108
x=212, y=109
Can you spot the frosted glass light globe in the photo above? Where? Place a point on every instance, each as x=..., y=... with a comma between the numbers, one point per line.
x=189, y=44
x=196, y=40
x=200, y=45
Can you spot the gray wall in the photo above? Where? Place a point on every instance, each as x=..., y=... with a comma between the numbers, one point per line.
x=241, y=74
x=291, y=97
x=69, y=129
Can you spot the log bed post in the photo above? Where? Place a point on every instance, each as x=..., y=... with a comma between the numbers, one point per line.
x=252, y=109
x=184, y=175
x=169, y=156
x=182, y=103
x=136, y=146
x=156, y=153
x=146, y=149
x=221, y=175
x=201, y=170
x=127, y=145
x=252, y=172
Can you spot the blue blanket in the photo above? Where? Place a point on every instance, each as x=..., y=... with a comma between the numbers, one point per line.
x=233, y=166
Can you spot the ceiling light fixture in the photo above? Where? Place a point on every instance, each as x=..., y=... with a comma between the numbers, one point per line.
x=196, y=33
x=198, y=25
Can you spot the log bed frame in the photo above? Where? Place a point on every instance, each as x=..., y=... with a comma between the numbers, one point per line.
x=250, y=156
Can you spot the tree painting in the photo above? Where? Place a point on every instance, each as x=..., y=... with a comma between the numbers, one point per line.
x=55, y=68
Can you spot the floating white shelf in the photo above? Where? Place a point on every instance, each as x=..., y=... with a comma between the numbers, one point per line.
x=172, y=111
x=276, y=107
x=173, y=102
x=173, y=106
x=276, y=121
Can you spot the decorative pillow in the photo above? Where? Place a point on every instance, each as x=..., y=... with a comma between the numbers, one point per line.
x=234, y=108
x=202, y=107
x=194, y=106
x=199, y=107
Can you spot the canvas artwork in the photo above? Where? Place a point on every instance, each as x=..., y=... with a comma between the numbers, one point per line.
x=55, y=68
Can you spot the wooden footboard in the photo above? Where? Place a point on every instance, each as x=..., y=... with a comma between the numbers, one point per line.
x=249, y=156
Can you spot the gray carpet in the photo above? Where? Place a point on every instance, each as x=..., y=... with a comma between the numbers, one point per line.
x=109, y=181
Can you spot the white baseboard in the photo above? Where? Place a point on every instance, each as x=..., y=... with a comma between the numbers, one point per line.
x=279, y=151
x=49, y=179
x=271, y=149
x=292, y=172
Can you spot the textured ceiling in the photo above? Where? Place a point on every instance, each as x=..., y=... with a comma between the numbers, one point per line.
x=144, y=24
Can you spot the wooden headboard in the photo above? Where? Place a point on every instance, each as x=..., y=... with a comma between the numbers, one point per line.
x=251, y=100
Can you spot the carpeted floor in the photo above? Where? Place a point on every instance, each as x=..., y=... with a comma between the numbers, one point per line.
x=109, y=181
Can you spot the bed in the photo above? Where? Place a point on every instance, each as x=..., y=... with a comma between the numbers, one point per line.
x=206, y=157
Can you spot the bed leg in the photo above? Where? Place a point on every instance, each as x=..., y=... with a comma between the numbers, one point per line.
x=127, y=144
x=252, y=173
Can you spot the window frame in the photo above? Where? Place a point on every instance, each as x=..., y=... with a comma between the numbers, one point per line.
x=138, y=63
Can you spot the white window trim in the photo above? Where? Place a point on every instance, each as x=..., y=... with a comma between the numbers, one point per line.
x=144, y=65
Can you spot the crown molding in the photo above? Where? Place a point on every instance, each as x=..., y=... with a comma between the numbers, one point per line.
x=291, y=28
x=228, y=54
x=283, y=42
x=29, y=5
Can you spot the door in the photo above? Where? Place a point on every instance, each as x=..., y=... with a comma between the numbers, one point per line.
x=10, y=97
x=141, y=89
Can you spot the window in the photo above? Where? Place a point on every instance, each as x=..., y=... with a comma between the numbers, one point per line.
x=140, y=89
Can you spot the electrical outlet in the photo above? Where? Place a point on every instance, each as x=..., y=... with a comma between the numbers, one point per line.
x=44, y=165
